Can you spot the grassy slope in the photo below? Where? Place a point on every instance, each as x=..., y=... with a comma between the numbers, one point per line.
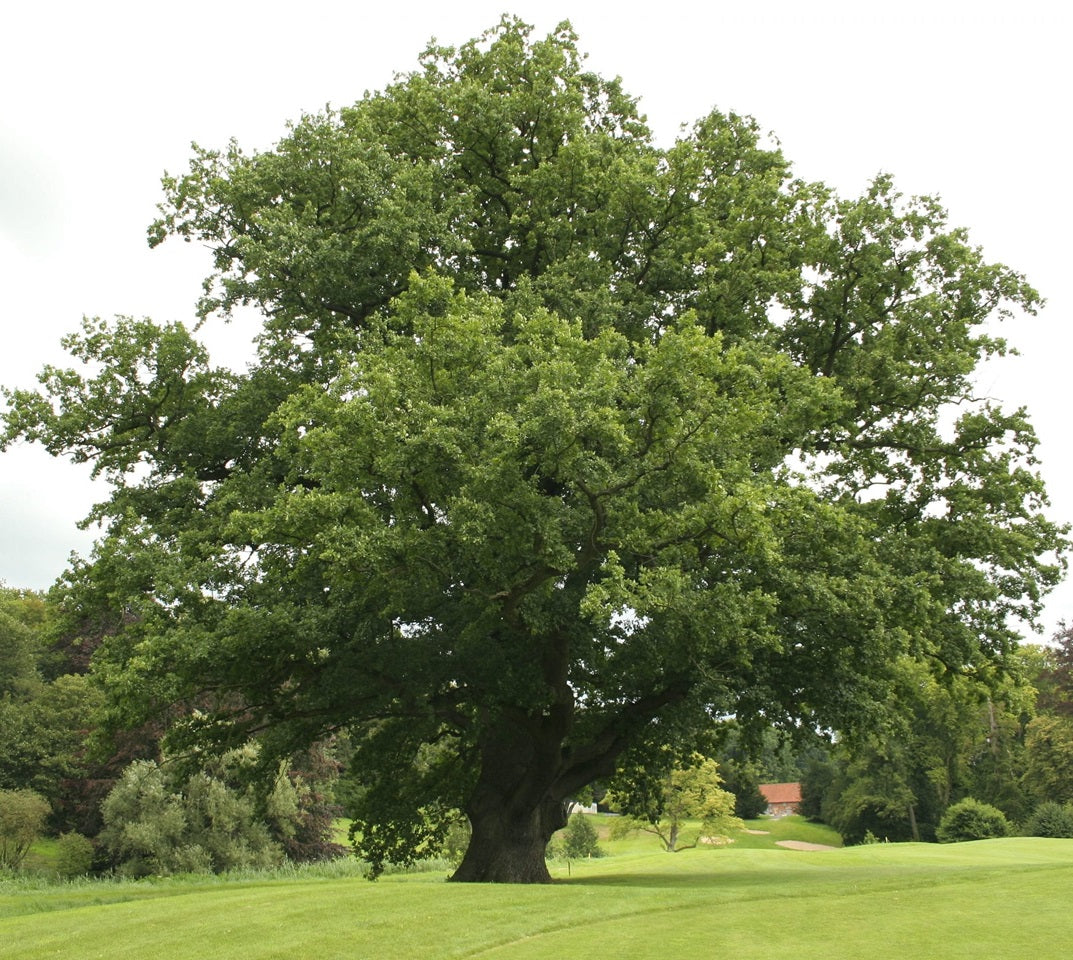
x=998, y=898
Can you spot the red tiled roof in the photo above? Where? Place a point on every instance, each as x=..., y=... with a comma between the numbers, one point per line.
x=781, y=792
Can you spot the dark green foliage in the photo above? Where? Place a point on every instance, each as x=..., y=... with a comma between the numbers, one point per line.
x=742, y=780
x=18, y=656
x=307, y=810
x=1055, y=679
x=816, y=783
x=1049, y=758
x=969, y=819
x=45, y=713
x=579, y=839
x=1050, y=819
x=456, y=840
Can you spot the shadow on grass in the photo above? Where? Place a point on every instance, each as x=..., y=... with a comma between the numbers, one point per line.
x=682, y=879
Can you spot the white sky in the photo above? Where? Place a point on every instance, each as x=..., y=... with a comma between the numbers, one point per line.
x=965, y=100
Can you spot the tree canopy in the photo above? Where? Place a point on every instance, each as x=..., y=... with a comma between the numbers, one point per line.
x=557, y=442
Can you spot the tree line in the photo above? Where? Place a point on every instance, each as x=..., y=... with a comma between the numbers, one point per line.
x=1006, y=744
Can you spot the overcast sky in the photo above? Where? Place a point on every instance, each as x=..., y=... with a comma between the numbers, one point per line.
x=969, y=101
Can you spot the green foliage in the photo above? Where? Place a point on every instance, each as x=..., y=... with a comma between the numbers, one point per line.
x=1049, y=758
x=579, y=839
x=816, y=784
x=207, y=826
x=1050, y=819
x=955, y=736
x=456, y=840
x=1053, y=672
x=45, y=712
x=18, y=656
x=553, y=433
x=43, y=733
x=742, y=780
x=22, y=818
x=969, y=819
x=74, y=855
x=690, y=792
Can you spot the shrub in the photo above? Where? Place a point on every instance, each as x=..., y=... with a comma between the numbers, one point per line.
x=1051, y=819
x=971, y=820
x=579, y=838
x=22, y=817
x=152, y=827
x=74, y=855
x=456, y=840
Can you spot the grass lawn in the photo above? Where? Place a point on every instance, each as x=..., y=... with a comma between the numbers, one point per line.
x=997, y=898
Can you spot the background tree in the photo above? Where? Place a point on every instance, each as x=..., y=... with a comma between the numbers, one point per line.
x=22, y=820
x=950, y=737
x=1051, y=819
x=690, y=797
x=579, y=838
x=1049, y=758
x=1051, y=671
x=556, y=442
x=743, y=781
x=45, y=712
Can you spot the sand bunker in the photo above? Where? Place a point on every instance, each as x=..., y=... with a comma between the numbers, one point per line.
x=802, y=845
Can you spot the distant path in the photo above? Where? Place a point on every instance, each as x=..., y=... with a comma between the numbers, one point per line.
x=802, y=845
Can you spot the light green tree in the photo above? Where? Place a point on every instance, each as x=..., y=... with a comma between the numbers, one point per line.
x=689, y=806
x=153, y=825
x=22, y=819
x=557, y=443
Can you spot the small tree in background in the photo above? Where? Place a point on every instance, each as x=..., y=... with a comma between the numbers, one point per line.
x=688, y=794
x=22, y=818
x=580, y=838
x=74, y=855
x=969, y=819
x=742, y=780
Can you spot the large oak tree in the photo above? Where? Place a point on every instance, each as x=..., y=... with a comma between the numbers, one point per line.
x=557, y=442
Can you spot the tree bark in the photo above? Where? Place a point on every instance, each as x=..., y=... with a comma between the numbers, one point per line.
x=517, y=803
x=672, y=839
x=508, y=846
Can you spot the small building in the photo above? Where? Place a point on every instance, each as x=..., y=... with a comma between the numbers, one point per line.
x=782, y=798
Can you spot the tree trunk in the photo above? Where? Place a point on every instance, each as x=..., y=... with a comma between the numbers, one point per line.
x=913, y=824
x=517, y=802
x=527, y=774
x=672, y=838
x=508, y=845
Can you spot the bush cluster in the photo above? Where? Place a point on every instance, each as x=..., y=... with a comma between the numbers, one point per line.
x=1051, y=819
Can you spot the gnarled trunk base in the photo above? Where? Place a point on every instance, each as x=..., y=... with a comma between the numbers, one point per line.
x=509, y=847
